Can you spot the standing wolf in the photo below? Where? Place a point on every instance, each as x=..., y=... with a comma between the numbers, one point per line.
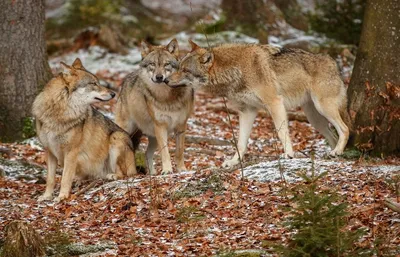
x=262, y=76
x=147, y=104
x=77, y=136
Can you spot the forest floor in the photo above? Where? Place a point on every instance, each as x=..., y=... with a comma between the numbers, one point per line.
x=206, y=210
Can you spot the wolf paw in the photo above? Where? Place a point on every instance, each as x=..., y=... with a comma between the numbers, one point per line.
x=153, y=172
x=287, y=156
x=182, y=170
x=230, y=163
x=166, y=171
x=45, y=197
x=112, y=176
x=60, y=198
x=335, y=153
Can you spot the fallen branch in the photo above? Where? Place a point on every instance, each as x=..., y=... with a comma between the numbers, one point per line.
x=291, y=115
x=85, y=189
x=198, y=151
x=208, y=140
x=392, y=205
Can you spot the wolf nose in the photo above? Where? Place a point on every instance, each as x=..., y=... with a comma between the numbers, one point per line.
x=112, y=94
x=159, y=78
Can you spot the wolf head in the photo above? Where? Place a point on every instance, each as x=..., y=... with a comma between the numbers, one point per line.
x=83, y=86
x=193, y=69
x=158, y=62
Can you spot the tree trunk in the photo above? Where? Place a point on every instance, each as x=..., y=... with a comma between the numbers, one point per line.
x=23, y=64
x=374, y=91
x=21, y=240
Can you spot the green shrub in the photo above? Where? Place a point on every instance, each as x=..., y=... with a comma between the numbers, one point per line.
x=318, y=221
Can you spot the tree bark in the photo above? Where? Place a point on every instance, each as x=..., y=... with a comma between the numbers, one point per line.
x=374, y=91
x=23, y=63
x=21, y=240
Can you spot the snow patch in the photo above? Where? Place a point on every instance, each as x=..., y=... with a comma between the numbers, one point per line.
x=96, y=59
x=288, y=169
x=212, y=39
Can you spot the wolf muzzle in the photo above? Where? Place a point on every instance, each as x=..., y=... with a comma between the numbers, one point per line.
x=166, y=81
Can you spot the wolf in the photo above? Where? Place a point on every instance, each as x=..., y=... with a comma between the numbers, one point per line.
x=75, y=135
x=146, y=104
x=256, y=76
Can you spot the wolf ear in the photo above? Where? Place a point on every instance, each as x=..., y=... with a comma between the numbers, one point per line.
x=193, y=45
x=67, y=70
x=77, y=64
x=207, y=59
x=145, y=48
x=173, y=47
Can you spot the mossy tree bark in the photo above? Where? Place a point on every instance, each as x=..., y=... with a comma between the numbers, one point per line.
x=23, y=63
x=374, y=91
x=21, y=240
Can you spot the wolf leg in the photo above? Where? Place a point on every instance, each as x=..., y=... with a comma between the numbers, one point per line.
x=121, y=157
x=162, y=140
x=330, y=109
x=320, y=123
x=151, y=148
x=51, y=177
x=70, y=165
x=180, y=146
x=279, y=116
x=246, y=120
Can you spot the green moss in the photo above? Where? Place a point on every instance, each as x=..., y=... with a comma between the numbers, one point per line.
x=57, y=241
x=140, y=159
x=352, y=154
x=28, y=129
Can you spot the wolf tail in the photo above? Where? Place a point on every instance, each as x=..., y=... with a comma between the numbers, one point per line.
x=344, y=114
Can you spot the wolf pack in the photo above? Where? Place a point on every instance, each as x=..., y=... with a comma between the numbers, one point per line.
x=157, y=100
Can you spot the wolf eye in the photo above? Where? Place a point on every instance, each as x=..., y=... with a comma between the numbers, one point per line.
x=167, y=64
x=152, y=64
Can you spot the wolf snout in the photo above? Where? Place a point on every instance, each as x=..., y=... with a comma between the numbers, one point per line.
x=112, y=94
x=159, y=78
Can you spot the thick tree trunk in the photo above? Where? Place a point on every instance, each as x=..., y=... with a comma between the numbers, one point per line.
x=23, y=63
x=374, y=90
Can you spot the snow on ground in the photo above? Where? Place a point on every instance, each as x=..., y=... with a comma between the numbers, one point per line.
x=212, y=39
x=288, y=169
x=97, y=59
x=182, y=7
